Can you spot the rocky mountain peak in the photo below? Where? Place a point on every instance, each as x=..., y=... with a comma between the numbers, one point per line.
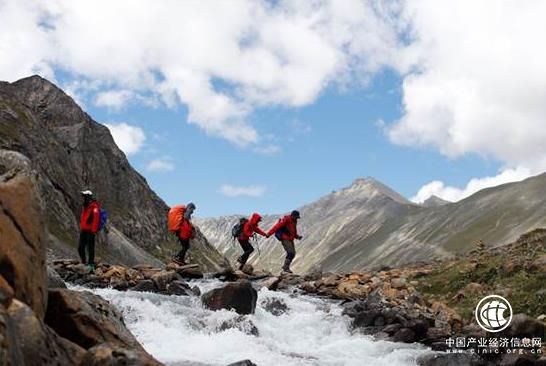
x=370, y=186
x=54, y=106
x=434, y=201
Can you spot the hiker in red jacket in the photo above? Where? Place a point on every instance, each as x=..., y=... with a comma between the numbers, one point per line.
x=286, y=230
x=249, y=228
x=89, y=225
x=185, y=234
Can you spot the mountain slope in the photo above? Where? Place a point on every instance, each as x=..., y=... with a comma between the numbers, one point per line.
x=335, y=220
x=366, y=225
x=42, y=126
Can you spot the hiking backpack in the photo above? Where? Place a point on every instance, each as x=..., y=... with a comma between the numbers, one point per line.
x=237, y=229
x=279, y=233
x=175, y=218
x=103, y=218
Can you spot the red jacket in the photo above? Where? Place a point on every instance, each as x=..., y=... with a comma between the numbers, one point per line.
x=250, y=227
x=186, y=231
x=90, y=218
x=290, y=226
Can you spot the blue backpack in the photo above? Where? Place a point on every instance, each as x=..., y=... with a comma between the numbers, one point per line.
x=103, y=218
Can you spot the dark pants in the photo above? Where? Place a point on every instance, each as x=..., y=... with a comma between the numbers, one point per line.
x=288, y=246
x=181, y=256
x=87, y=241
x=247, y=251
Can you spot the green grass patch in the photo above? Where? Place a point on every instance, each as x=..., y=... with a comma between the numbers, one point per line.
x=507, y=272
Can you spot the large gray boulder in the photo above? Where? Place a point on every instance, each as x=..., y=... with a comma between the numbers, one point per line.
x=239, y=296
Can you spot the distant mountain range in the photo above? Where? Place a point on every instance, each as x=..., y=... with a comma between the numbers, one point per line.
x=369, y=225
x=43, y=128
x=364, y=225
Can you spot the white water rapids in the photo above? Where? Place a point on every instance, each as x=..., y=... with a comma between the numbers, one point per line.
x=177, y=330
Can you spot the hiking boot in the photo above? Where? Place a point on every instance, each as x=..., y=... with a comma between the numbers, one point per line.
x=91, y=267
x=287, y=270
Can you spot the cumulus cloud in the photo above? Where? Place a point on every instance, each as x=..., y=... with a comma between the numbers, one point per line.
x=129, y=139
x=453, y=194
x=474, y=80
x=25, y=47
x=114, y=99
x=220, y=59
x=160, y=165
x=477, y=86
x=236, y=191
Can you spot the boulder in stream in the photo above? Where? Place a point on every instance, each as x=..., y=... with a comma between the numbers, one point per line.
x=239, y=296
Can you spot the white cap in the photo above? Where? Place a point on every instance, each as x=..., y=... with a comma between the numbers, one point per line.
x=87, y=192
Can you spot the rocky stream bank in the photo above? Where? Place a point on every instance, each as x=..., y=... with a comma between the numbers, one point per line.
x=386, y=303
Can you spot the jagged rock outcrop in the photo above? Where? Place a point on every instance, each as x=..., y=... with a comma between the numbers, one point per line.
x=42, y=127
x=87, y=320
x=368, y=225
x=22, y=244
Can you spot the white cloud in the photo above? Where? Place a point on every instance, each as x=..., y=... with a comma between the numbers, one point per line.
x=236, y=191
x=114, y=99
x=221, y=59
x=478, y=85
x=129, y=139
x=160, y=165
x=453, y=194
x=473, y=73
x=25, y=47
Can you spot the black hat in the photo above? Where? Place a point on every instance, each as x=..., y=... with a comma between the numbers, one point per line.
x=295, y=214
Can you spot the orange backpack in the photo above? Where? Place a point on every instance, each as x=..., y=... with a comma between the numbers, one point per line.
x=175, y=218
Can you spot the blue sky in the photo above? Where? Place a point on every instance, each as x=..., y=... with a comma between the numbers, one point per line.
x=324, y=146
x=253, y=105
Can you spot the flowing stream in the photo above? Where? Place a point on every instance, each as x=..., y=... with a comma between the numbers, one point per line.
x=177, y=330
